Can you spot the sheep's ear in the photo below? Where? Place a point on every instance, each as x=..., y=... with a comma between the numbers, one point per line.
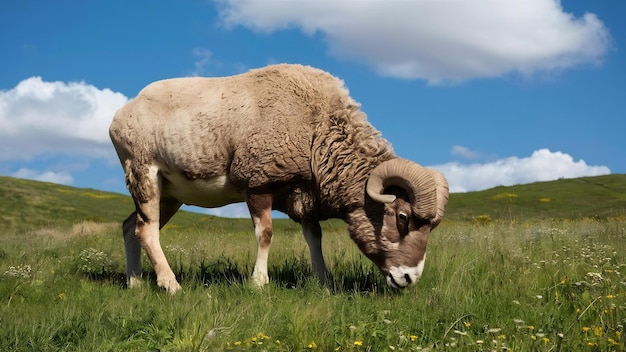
x=417, y=181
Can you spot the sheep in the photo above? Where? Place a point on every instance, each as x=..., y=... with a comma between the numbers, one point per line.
x=284, y=137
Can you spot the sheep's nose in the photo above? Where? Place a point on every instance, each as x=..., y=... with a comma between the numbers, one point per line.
x=403, y=276
x=401, y=280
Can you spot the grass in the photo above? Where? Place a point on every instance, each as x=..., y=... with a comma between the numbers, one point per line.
x=492, y=284
x=532, y=286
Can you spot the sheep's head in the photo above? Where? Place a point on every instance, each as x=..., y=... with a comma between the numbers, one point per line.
x=406, y=202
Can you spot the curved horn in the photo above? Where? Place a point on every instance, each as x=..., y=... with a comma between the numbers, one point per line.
x=442, y=195
x=418, y=181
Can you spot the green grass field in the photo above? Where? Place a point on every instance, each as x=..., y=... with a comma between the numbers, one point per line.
x=512, y=281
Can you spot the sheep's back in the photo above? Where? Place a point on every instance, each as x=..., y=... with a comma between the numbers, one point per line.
x=258, y=127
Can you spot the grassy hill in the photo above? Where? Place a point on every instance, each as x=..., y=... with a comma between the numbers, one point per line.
x=26, y=204
x=598, y=197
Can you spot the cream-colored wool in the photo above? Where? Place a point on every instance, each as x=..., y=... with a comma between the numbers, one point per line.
x=284, y=136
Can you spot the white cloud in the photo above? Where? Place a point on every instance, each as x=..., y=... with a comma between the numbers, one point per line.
x=203, y=57
x=46, y=176
x=439, y=41
x=542, y=165
x=38, y=117
x=464, y=152
x=237, y=210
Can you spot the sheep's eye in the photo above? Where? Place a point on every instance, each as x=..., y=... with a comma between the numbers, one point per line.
x=403, y=217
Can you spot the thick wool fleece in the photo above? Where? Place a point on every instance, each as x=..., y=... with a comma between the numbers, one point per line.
x=289, y=130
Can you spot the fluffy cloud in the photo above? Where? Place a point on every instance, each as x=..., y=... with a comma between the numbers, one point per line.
x=542, y=165
x=237, y=210
x=439, y=41
x=203, y=58
x=45, y=176
x=38, y=117
x=464, y=152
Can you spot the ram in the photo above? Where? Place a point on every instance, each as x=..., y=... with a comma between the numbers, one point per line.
x=284, y=137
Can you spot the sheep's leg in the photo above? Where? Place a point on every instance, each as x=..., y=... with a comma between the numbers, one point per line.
x=168, y=207
x=132, y=245
x=132, y=248
x=148, y=234
x=148, y=224
x=260, y=207
x=313, y=235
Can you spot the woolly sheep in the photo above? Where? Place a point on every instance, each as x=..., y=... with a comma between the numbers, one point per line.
x=284, y=137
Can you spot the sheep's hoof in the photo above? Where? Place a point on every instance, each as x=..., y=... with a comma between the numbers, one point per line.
x=260, y=279
x=170, y=286
x=134, y=282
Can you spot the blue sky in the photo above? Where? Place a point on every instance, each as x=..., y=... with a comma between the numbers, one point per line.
x=490, y=92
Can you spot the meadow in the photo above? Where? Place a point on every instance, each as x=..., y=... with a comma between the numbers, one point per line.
x=489, y=285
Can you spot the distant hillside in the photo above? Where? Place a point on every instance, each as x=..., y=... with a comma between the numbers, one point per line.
x=600, y=197
x=26, y=204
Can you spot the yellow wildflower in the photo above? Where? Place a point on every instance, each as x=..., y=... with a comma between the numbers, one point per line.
x=545, y=340
x=413, y=337
x=598, y=331
x=312, y=345
x=467, y=324
x=586, y=329
x=358, y=343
